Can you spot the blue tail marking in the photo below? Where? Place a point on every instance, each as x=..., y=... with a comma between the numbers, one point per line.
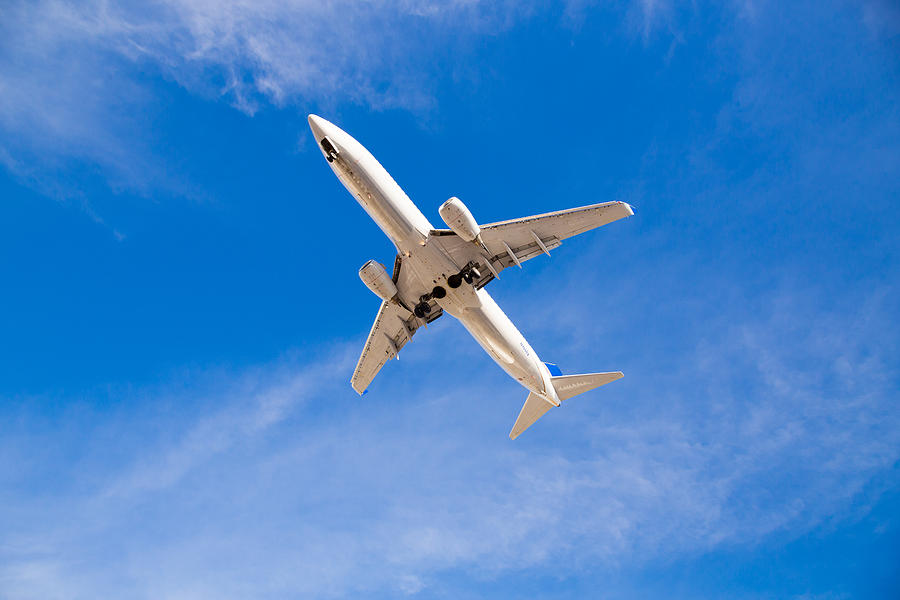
x=554, y=370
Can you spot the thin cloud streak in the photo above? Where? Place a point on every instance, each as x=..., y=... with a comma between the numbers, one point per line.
x=73, y=75
x=388, y=492
x=69, y=71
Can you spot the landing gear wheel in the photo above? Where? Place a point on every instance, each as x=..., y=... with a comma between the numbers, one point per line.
x=468, y=277
x=422, y=309
x=454, y=281
x=438, y=292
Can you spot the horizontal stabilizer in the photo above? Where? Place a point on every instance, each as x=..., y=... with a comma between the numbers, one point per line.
x=571, y=385
x=566, y=386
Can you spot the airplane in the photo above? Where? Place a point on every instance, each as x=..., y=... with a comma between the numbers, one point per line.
x=446, y=270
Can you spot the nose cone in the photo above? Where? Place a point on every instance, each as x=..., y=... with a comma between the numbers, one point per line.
x=318, y=126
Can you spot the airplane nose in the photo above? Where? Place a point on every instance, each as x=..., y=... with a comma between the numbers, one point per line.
x=317, y=124
x=325, y=133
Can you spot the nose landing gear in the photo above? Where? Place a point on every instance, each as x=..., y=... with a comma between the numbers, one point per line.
x=331, y=151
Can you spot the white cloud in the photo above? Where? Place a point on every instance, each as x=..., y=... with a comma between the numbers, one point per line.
x=69, y=71
x=80, y=81
x=73, y=75
x=263, y=485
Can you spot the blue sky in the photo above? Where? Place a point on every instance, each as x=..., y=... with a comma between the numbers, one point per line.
x=181, y=311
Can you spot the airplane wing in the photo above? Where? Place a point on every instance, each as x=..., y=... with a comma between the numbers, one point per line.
x=512, y=242
x=394, y=326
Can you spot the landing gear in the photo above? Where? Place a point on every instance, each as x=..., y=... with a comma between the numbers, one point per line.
x=423, y=308
x=469, y=274
x=331, y=151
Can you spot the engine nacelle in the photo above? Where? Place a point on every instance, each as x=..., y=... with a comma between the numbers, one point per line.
x=459, y=219
x=376, y=278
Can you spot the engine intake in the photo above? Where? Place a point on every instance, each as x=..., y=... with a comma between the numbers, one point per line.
x=459, y=219
x=376, y=278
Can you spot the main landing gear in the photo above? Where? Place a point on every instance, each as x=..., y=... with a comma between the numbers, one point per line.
x=469, y=274
x=423, y=308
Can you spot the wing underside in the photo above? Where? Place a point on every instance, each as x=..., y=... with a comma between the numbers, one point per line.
x=394, y=326
x=513, y=242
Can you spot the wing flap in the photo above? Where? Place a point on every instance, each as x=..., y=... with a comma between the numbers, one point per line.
x=509, y=243
x=552, y=226
x=523, y=252
x=394, y=326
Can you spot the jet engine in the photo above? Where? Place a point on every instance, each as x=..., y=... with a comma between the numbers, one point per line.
x=459, y=219
x=376, y=278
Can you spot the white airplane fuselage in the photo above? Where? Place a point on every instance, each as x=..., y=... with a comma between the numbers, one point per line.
x=408, y=229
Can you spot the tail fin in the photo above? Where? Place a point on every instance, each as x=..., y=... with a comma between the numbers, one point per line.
x=566, y=386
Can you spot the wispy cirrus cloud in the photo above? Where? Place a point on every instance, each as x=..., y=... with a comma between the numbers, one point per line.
x=74, y=76
x=768, y=425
